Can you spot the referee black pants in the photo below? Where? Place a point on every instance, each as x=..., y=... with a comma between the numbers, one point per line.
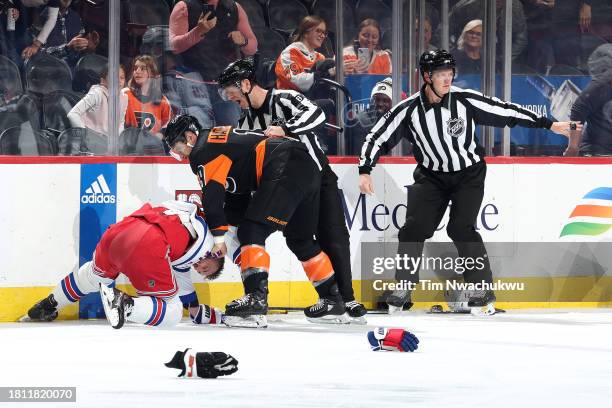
x=428, y=199
x=332, y=234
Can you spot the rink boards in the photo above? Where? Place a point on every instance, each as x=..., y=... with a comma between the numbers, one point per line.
x=539, y=200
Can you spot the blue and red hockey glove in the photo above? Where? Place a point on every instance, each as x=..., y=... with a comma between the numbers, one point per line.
x=392, y=340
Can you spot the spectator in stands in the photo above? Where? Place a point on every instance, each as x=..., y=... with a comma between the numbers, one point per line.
x=469, y=46
x=208, y=42
x=594, y=106
x=53, y=7
x=91, y=112
x=364, y=55
x=8, y=17
x=427, y=34
x=147, y=108
x=67, y=39
x=380, y=103
x=300, y=65
x=554, y=32
x=185, y=89
x=468, y=10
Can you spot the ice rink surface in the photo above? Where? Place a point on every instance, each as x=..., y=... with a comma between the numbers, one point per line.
x=516, y=359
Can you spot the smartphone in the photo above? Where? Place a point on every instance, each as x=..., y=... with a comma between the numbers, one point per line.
x=364, y=55
x=208, y=8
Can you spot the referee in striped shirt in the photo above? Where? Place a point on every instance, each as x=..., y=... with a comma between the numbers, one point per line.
x=440, y=122
x=287, y=113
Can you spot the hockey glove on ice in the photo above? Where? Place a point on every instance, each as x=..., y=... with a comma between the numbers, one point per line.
x=205, y=365
x=392, y=340
x=207, y=315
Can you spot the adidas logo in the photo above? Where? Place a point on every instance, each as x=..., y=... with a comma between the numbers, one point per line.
x=98, y=193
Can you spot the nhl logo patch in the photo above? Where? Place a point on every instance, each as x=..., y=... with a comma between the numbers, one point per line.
x=455, y=127
x=151, y=283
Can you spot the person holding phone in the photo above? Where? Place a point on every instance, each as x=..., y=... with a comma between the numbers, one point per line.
x=365, y=56
x=208, y=35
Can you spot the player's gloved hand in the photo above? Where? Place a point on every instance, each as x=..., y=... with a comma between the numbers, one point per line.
x=207, y=315
x=204, y=365
x=392, y=340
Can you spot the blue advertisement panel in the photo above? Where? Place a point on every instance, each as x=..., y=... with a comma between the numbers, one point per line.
x=552, y=96
x=98, y=195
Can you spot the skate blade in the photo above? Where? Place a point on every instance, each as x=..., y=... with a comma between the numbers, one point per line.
x=486, y=310
x=251, y=322
x=330, y=319
x=358, y=320
x=25, y=319
x=107, y=295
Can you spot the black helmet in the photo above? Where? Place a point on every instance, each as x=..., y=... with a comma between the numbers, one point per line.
x=433, y=60
x=175, y=131
x=235, y=72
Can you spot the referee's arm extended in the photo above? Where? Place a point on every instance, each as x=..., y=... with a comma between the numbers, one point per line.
x=491, y=111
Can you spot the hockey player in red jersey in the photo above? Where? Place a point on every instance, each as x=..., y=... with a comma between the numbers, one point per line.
x=231, y=165
x=155, y=247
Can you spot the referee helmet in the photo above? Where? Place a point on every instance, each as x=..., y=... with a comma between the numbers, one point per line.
x=434, y=60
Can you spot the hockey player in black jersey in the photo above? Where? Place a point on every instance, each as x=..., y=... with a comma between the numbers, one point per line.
x=287, y=113
x=231, y=165
x=440, y=122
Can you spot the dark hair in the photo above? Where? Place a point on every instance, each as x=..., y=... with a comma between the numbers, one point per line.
x=307, y=24
x=215, y=275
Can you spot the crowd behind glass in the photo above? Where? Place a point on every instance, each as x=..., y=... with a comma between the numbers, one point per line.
x=54, y=96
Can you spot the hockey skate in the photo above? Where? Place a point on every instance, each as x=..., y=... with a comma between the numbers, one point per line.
x=43, y=311
x=247, y=311
x=326, y=310
x=397, y=300
x=482, y=303
x=117, y=305
x=356, y=312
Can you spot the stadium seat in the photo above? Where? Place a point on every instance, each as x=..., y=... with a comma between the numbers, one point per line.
x=23, y=141
x=255, y=12
x=46, y=74
x=271, y=43
x=10, y=80
x=138, y=142
x=87, y=72
x=55, y=107
x=285, y=15
x=375, y=9
x=81, y=142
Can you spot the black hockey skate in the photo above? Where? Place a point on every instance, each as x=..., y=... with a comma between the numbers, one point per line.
x=247, y=311
x=398, y=300
x=356, y=312
x=43, y=311
x=482, y=303
x=327, y=310
x=117, y=305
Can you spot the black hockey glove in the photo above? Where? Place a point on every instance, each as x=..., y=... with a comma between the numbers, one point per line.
x=321, y=68
x=205, y=365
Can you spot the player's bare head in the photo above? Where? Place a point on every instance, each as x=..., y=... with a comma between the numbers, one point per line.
x=181, y=135
x=210, y=268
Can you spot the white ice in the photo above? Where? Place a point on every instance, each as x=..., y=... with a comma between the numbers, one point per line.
x=517, y=359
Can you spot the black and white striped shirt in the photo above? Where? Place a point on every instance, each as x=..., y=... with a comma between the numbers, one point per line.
x=443, y=134
x=295, y=113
